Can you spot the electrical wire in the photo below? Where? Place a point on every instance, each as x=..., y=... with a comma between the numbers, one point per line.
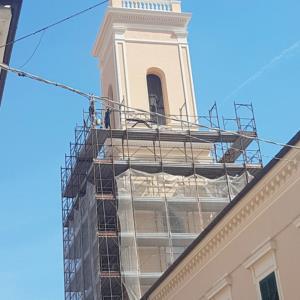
x=189, y=123
x=90, y=96
x=46, y=81
x=35, y=50
x=199, y=125
x=54, y=24
x=295, y=161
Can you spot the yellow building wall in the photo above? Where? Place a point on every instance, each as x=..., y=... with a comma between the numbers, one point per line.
x=236, y=250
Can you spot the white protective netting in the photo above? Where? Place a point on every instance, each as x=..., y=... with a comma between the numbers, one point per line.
x=160, y=215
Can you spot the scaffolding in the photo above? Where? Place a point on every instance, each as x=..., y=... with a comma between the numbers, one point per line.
x=134, y=196
x=160, y=215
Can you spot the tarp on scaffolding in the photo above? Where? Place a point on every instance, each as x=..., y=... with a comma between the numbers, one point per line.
x=160, y=215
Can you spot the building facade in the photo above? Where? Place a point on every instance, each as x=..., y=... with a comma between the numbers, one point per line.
x=9, y=16
x=252, y=250
x=146, y=174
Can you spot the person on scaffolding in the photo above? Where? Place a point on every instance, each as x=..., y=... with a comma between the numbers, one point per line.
x=107, y=118
x=92, y=111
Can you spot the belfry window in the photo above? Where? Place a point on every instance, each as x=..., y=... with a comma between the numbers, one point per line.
x=156, y=101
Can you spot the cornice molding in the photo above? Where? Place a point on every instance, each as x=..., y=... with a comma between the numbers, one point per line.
x=297, y=222
x=138, y=19
x=219, y=286
x=268, y=188
x=267, y=247
x=148, y=17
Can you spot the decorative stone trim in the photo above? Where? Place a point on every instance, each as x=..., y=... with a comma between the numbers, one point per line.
x=148, y=17
x=297, y=222
x=157, y=5
x=222, y=284
x=130, y=19
x=262, y=263
x=208, y=249
x=259, y=252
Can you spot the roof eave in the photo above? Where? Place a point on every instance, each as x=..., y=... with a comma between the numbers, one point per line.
x=16, y=9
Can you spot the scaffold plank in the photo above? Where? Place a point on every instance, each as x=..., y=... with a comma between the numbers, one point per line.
x=236, y=150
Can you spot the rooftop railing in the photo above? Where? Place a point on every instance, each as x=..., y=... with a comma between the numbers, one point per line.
x=148, y=5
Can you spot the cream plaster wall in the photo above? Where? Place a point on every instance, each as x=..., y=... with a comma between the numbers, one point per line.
x=163, y=58
x=151, y=151
x=267, y=215
x=109, y=80
x=5, y=19
x=141, y=35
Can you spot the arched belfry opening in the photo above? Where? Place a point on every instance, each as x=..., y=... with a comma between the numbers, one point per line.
x=156, y=99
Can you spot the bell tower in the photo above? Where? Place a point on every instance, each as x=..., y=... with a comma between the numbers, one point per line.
x=144, y=58
x=137, y=193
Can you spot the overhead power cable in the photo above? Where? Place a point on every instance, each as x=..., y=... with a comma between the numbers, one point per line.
x=201, y=125
x=35, y=50
x=46, y=81
x=54, y=24
x=107, y=100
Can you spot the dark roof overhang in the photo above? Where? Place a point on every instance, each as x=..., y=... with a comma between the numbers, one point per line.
x=15, y=8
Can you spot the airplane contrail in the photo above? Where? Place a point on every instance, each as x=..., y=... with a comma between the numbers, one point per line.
x=256, y=75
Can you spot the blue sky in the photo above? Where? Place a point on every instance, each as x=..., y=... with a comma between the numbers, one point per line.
x=230, y=41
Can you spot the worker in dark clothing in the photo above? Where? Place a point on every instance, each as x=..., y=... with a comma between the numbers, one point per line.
x=107, y=118
x=92, y=111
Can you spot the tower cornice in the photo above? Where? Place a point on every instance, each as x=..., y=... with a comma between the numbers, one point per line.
x=120, y=19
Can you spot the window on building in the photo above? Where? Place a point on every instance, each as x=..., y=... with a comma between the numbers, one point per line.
x=265, y=271
x=268, y=288
x=156, y=100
